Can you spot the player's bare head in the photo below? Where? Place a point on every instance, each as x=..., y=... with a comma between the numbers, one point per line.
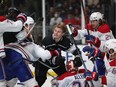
x=62, y=26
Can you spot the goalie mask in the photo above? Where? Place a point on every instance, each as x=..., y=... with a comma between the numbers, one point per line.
x=28, y=27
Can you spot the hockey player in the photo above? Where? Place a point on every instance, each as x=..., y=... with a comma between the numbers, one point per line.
x=109, y=59
x=30, y=51
x=33, y=48
x=76, y=77
x=110, y=62
x=11, y=15
x=7, y=25
x=97, y=27
x=55, y=41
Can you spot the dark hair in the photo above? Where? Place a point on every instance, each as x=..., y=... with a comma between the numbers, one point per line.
x=12, y=13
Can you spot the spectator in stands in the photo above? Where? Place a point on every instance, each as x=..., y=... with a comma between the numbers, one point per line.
x=56, y=19
x=50, y=14
x=70, y=19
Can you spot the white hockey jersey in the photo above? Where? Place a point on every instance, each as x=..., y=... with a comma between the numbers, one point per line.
x=111, y=72
x=103, y=33
x=30, y=50
x=7, y=25
x=74, y=79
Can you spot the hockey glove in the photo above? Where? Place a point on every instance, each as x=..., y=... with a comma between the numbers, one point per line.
x=58, y=60
x=88, y=75
x=92, y=40
x=95, y=76
x=91, y=76
x=103, y=80
x=74, y=31
x=93, y=52
x=22, y=17
x=55, y=53
x=77, y=62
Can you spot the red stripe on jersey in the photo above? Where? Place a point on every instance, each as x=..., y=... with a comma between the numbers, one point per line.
x=113, y=62
x=104, y=28
x=89, y=27
x=67, y=74
x=2, y=18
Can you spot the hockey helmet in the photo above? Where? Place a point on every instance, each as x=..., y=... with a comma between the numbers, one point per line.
x=12, y=13
x=26, y=32
x=111, y=45
x=29, y=21
x=96, y=16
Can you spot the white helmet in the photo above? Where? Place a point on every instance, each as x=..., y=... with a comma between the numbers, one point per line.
x=29, y=21
x=23, y=34
x=96, y=16
x=111, y=44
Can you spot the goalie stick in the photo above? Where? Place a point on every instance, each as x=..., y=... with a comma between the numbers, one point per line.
x=77, y=49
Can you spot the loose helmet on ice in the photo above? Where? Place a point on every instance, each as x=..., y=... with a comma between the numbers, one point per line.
x=96, y=16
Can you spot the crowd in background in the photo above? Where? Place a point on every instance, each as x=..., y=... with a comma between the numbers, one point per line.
x=68, y=11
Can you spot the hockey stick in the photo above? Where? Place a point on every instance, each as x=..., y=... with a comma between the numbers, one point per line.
x=78, y=51
x=83, y=8
x=94, y=61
